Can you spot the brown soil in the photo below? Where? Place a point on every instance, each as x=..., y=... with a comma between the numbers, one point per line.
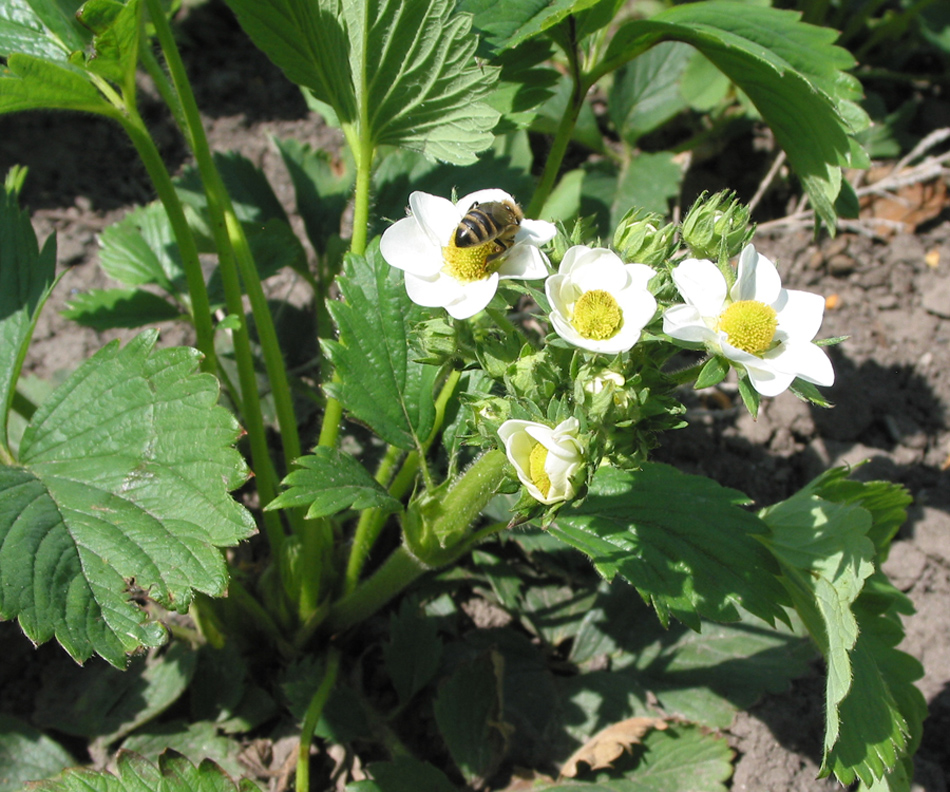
x=892, y=397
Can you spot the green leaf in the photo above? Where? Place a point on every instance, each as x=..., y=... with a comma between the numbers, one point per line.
x=404, y=73
x=404, y=774
x=683, y=541
x=468, y=713
x=174, y=773
x=122, y=485
x=322, y=185
x=252, y=195
x=116, y=26
x=414, y=650
x=703, y=676
x=27, y=275
x=103, y=702
x=30, y=83
x=103, y=309
x=507, y=23
x=646, y=92
x=330, y=481
x=886, y=501
x=27, y=754
x=196, y=741
x=508, y=161
x=826, y=557
x=791, y=71
x=42, y=28
x=669, y=758
x=713, y=372
x=380, y=383
x=703, y=86
x=141, y=249
x=524, y=86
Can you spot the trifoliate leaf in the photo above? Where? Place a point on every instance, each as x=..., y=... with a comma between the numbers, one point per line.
x=330, y=481
x=26, y=278
x=380, y=382
x=27, y=754
x=401, y=74
x=791, y=71
x=683, y=541
x=174, y=773
x=122, y=485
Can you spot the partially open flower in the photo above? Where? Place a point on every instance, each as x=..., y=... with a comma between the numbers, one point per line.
x=598, y=303
x=462, y=278
x=545, y=459
x=765, y=330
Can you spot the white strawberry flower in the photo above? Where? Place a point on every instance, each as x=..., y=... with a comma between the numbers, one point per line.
x=598, y=303
x=462, y=280
x=545, y=459
x=764, y=330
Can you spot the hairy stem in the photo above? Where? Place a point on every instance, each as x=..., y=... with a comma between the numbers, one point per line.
x=312, y=717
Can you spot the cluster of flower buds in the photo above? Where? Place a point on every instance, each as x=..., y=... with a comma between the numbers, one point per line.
x=717, y=227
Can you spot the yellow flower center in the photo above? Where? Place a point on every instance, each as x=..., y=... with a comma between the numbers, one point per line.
x=597, y=315
x=749, y=325
x=536, y=460
x=469, y=264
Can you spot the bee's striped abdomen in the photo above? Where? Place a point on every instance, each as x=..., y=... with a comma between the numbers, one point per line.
x=477, y=227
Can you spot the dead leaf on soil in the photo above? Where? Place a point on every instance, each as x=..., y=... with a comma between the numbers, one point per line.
x=605, y=747
x=932, y=259
x=910, y=205
x=832, y=301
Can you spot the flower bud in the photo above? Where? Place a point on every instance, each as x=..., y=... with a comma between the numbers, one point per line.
x=641, y=237
x=717, y=227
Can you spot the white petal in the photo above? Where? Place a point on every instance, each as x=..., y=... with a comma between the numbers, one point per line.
x=758, y=279
x=437, y=216
x=525, y=262
x=684, y=323
x=640, y=274
x=638, y=307
x=801, y=316
x=436, y=292
x=807, y=361
x=768, y=381
x=701, y=284
x=599, y=269
x=573, y=255
x=475, y=296
x=481, y=196
x=536, y=232
x=406, y=246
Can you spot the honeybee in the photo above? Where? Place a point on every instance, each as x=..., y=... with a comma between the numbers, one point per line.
x=492, y=221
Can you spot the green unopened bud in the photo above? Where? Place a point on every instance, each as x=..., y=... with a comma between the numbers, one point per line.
x=717, y=227
x=641, y=237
